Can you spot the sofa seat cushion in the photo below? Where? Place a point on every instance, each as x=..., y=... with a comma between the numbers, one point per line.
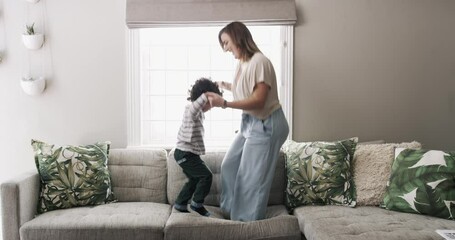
x=186, y=226
x=126, y=220
x=367, y=222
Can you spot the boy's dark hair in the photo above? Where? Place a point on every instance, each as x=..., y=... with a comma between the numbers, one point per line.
x=201, y=86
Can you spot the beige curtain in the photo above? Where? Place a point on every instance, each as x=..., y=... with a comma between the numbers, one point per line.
x=158, y=13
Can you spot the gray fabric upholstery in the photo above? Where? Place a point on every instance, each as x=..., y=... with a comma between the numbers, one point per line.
x=19, y=201
x=126, y=220
x=279, y=225
x=143, y=179
x=176, y=179
x=367, y=222
x=138, y=175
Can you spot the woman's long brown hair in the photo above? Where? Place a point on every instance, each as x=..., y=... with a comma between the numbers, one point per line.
x=241, y=37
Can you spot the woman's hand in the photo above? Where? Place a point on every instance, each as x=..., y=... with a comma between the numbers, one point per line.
x=215, y=99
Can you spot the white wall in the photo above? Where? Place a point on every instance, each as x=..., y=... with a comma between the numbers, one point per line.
x=84, y=61
x=84, y=57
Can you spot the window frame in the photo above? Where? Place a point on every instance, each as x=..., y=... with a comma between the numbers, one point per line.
x=134, y=90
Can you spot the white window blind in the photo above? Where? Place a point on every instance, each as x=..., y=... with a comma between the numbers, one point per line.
x=158, y=13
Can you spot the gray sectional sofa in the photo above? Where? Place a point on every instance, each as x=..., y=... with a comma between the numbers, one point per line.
x=146, y=183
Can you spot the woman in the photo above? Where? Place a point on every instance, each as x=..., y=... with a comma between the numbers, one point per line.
x=248, y=168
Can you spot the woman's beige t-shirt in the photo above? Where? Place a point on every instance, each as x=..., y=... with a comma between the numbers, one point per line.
x=248, y=74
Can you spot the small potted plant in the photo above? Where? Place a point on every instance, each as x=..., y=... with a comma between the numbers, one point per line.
x=31, y=39
x=33, y=86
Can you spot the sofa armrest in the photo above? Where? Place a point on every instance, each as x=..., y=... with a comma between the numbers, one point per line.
x=19, y=198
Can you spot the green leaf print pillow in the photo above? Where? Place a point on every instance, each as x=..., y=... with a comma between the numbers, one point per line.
x=422, y=181
x=319, y=173
x=72, y=176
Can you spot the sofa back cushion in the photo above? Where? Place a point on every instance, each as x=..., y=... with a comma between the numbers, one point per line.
x=138, y=175
x=213, y=159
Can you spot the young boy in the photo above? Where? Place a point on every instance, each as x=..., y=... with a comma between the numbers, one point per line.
x=190, y=145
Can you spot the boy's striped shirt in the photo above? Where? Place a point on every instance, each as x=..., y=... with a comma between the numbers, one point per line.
x=191, y=134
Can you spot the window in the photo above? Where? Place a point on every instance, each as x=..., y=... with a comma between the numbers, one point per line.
x=165, y=62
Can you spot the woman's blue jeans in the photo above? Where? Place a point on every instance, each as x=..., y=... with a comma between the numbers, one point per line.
x=248, y=167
